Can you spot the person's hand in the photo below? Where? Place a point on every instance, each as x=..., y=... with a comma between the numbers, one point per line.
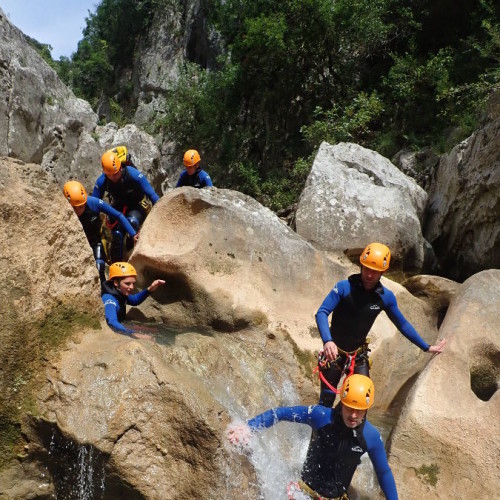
x=238, y=434
x=438, y=348
x=136, y=237
x=330, y=350
x=155, y=285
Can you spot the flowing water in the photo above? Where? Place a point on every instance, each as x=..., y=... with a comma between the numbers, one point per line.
x=276, y=454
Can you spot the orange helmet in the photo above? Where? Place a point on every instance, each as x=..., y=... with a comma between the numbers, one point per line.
x=357, y=392
x=191, y=158
x=75, y=193
x=110, y=162
x=376, y=256
x=121, y=270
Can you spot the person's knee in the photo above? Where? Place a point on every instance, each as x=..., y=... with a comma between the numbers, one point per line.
x=363, y=369
x=117, y=235
x=135, y=218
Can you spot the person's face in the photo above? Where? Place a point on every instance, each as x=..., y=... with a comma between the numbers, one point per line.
x=370, y=277
x=191, y=169
x=79, y=210
x=126, y=285
x=352, y=417
x=115, y=177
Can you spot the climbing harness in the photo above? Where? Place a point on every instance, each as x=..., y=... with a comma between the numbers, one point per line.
x=111, y=225
x=361, y=353
x=301, y=487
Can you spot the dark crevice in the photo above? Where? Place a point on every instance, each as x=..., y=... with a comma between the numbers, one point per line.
x=78, y=470
x=484, y=370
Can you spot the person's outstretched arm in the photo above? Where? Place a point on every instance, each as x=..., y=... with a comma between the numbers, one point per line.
x=111, y=315
x=315, y=416
x=378, y=457
x=140, y=297
x=104, y=207
x=404, y=326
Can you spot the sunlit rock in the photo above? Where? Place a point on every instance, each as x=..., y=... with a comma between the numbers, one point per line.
x=446, y=442
x=354, y=196
x=150, y=418
x=229, y=262
x=49, y=285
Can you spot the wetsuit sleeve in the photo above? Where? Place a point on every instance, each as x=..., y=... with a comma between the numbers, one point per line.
x=98, y=191
x=206, y=181
x=341, y=289
x=110, y=313
x=144, y=183
x=315, y=416
x=378, y=457
x=109, y=210
x=138, y=298
x=402, y=324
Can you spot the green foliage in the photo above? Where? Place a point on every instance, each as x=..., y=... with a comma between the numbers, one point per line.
x=384, y=73
x=108, y=47
x=354, y=123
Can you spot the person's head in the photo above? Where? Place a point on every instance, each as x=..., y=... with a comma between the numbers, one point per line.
x=374, y=259
x=191, y=160
x=123, y=275
x=111, y=166
x=76, y=195
x=356, y=396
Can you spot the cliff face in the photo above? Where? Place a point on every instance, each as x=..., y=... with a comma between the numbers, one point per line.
x=463, y=220
x=49, y=287
x=179, y=32
x=41, y=121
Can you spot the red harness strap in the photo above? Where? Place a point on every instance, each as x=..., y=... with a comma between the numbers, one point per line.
x=111, y=226
x=348, y=368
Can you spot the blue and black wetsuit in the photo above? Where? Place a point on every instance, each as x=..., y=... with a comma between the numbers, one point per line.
x=335, y=450
x=354, y=311
x=115, y=306
x=128, y=196
x=199, y=179
x=91, y=223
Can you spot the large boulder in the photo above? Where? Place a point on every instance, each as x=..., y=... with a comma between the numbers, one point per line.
x=463, y=220
x=49, y=284
x=134, y=419
x=446, y=442
x=354, y=196
x=229, y=262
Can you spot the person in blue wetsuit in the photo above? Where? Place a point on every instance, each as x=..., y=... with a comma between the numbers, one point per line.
x=88, y=208
x=117, y=294
x=340, y=436
x=193, y=175
x=354, y=305
x=128, y=191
